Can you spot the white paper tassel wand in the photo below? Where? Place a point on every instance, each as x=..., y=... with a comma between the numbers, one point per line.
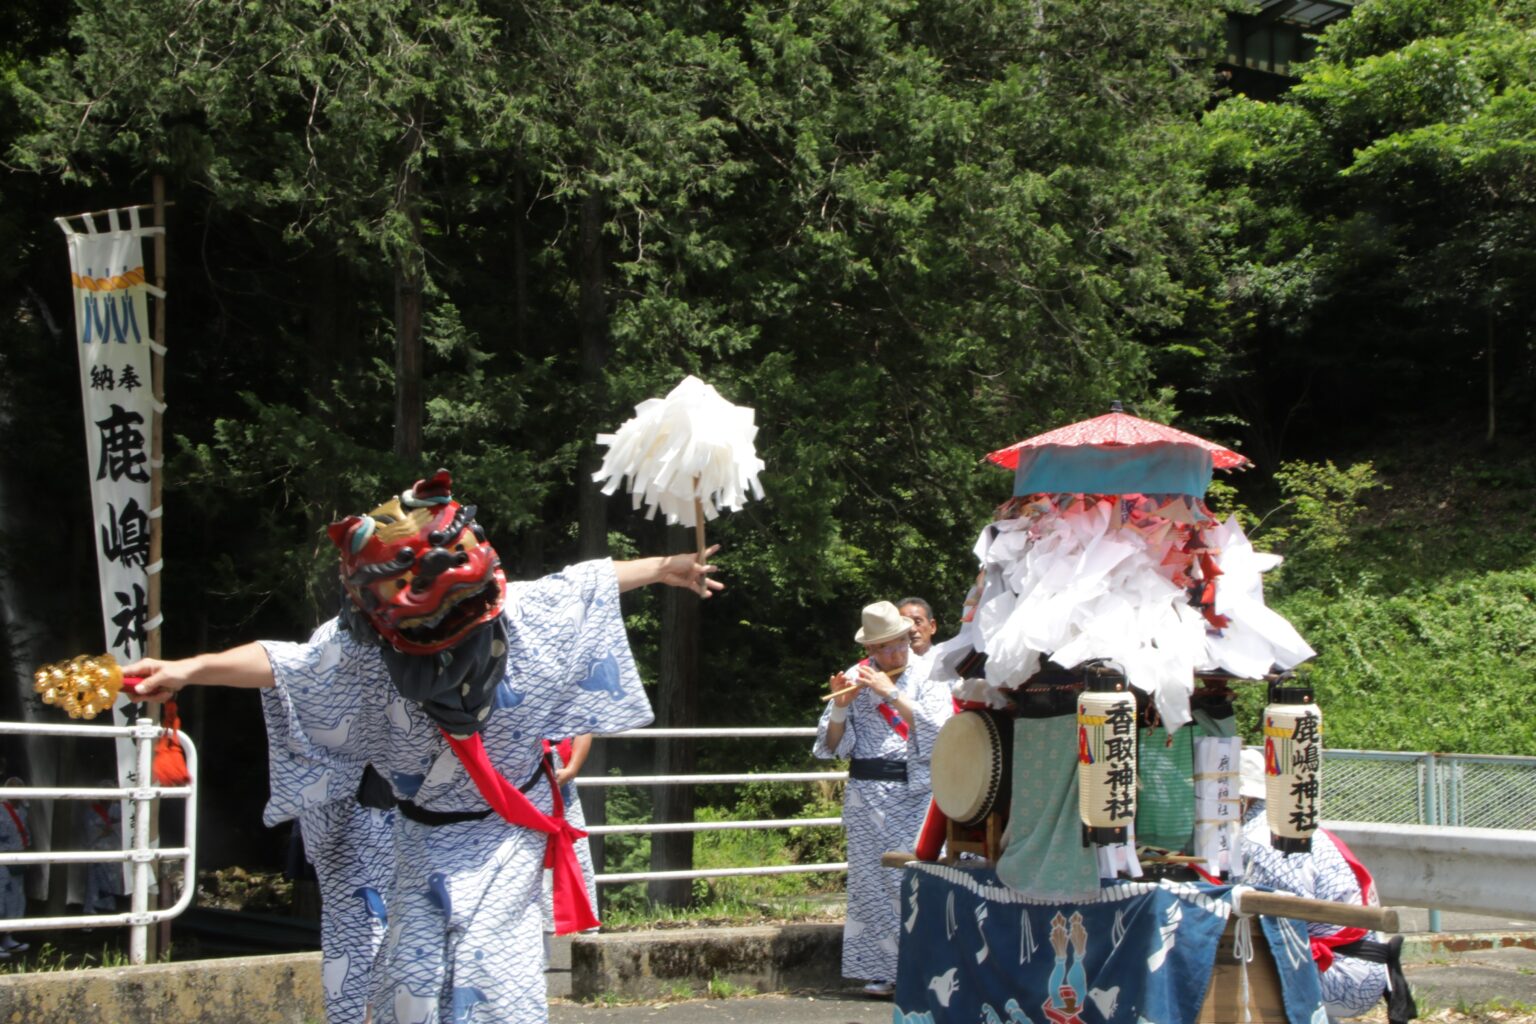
x=689, y=455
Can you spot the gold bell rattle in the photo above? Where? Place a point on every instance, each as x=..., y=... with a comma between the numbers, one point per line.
x=83, y=686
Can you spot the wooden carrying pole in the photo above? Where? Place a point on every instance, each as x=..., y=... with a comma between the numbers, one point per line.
x=1345, y=915
x=1270, y=904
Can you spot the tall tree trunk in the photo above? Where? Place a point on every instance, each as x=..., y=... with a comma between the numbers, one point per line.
x=592, y=503
x=593, y=312
x=676, y=707
x=410, y=355
x=519, y=262
x=330, y=346
x=1492, y=381
x=409, y=359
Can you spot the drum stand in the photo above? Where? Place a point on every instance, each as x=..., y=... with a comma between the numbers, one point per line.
x=985, y=840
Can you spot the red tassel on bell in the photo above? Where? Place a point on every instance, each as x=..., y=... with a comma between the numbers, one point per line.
x=170, y=763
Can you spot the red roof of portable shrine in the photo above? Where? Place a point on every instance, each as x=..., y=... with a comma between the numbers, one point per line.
x=1117, y=429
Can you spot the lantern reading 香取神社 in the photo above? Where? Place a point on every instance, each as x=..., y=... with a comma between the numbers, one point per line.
x=1106, y=760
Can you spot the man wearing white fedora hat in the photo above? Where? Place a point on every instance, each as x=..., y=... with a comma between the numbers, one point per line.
x=883, y=716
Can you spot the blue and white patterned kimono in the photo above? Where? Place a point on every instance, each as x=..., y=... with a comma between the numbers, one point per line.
x=352, y=848
x=880, y=816
x=1350, y=986
x=463, y=932
x=101, y=823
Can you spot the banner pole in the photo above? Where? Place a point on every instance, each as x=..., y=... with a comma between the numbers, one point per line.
x=162, y=938
x=157, y=432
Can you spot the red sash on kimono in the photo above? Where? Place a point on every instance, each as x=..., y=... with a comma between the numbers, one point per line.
x=895, y=721
x=1323, y=947
x=573, y=910
x=26, y=838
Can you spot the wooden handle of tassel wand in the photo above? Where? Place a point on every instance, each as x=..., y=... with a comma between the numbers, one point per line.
x=698, y=535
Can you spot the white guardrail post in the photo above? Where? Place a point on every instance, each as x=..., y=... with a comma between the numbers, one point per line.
x=140, y=917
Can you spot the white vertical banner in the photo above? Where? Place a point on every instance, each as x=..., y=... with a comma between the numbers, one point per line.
x=114, y=340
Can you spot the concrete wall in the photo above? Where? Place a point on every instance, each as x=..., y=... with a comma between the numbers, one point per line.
x=286, y=989
x=767, y=959
x=241, y=990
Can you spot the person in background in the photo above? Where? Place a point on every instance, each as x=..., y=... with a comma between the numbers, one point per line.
x=14, y=838
x=1357, y=968
x=883, y=717
x=101, y=826
x=923, y=626
x=571, y=754
x=568, y=755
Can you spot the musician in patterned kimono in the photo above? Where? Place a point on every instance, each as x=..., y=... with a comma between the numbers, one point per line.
x=884, y=717
x=443, y=680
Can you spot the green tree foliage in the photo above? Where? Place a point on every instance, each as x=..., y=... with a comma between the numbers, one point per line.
x=906, y=234
x=1384, y=216
x=1446, y=668
x=1321, y=504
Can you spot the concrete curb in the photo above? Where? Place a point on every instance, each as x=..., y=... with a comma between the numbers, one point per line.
x=286, y=989
x=241, y=990
x=769, y=958
x=1438, y=945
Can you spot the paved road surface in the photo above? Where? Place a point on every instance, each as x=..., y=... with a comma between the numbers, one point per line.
x=822, y=1008
x=1506, y=976
x=1498, y=976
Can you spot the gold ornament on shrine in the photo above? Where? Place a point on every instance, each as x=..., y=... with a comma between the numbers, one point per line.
x=83, y=686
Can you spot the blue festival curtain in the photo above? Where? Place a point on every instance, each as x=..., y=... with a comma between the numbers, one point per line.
x=975, y=950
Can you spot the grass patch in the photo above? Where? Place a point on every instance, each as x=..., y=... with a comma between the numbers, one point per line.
x=720, y=988
x=678, y=991
x=720, y=911
x=48, y=957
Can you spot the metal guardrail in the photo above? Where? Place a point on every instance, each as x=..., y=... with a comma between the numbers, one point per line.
x=1359, y=786
x=805, y=732
x=141, y=855
x=1473, y=870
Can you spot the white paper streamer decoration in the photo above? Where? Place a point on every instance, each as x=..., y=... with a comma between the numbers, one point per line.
x=691, y=445
x=1077, y=579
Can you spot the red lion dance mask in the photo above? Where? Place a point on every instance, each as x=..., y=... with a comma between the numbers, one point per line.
x=420, y=569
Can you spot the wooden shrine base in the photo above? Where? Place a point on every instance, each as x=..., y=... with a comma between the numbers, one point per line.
x=1223, y=997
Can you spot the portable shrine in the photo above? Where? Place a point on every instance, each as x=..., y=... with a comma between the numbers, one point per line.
x=1111, y=620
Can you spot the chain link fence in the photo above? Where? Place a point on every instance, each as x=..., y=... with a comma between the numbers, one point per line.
x=1469, y=790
